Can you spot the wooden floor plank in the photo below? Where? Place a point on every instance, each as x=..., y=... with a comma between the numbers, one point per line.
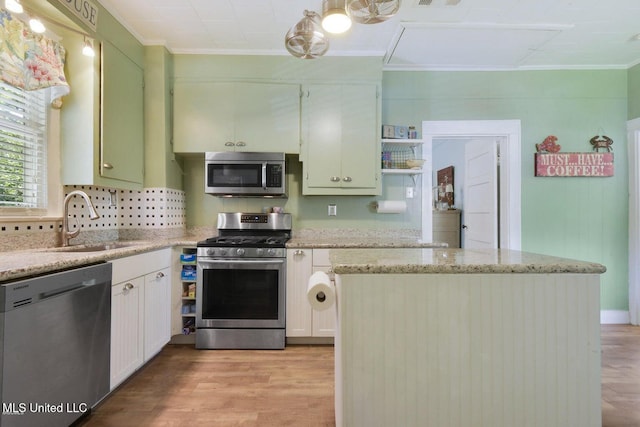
x=183, y=386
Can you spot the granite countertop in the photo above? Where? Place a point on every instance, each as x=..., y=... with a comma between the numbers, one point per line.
x=459, y=261
x=31, y=262
x=328, y=242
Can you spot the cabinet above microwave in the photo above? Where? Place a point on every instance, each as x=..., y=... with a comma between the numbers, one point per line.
x=231, y=116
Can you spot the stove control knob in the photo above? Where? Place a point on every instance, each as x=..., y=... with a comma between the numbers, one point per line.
x=240, y=252
x=271, y=252
x=259, y=252
x=223, y=251
x=211, y=251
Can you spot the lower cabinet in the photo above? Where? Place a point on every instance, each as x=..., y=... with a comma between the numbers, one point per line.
x=127, y=314
x=140, y=311
x=157, y=312
x=302, y=320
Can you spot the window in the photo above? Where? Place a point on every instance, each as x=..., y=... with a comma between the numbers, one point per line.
x=23, y=142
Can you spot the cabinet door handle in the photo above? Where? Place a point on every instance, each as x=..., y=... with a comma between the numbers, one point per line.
x=127, y=287
x=240, y=144
x=335, y=179
x=298, y=252
x=107, y=165
x=347, y=179
x=229, y=144
x=160, y=275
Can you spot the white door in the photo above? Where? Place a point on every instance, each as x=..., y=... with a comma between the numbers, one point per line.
x=480, y=223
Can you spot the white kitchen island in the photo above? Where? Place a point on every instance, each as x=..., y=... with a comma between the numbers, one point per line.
x=455, y=337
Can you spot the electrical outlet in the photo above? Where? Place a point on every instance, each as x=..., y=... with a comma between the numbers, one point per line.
x=333, y=210
x=409, y=192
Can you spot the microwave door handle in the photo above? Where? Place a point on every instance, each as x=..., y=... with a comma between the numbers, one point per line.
x=264, y=175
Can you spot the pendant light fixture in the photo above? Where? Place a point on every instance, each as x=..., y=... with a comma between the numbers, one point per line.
x=372, y=11
x=334, y=16
x=306, y=39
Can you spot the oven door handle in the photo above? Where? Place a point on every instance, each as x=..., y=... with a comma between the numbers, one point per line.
x=242, y=261
x=264, y=175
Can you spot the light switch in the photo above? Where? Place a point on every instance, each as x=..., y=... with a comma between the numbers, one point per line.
x=333, y=210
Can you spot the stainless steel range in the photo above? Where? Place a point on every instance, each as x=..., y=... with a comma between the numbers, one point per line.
x=240, y=285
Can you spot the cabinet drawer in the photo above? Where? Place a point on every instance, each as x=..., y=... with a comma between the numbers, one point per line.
x=321, y=257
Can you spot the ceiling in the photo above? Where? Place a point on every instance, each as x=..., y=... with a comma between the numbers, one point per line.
x=425, y=34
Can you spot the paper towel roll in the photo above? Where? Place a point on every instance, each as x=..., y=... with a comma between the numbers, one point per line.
x=391, y=206
x=320, y=291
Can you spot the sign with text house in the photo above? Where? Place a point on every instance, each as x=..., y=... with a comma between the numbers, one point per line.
x=574, y=164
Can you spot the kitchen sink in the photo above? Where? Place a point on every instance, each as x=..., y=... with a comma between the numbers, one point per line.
x=95, y=248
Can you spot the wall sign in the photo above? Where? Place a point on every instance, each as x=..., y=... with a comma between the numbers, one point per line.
x=83, y=9
x=549, y=161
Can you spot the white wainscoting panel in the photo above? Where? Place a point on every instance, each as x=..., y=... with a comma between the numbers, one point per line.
x=469, y=350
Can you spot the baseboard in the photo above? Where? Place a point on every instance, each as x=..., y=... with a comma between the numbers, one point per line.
x=614, y=317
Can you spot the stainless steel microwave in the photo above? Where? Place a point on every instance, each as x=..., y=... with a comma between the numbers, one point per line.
x=245, y=174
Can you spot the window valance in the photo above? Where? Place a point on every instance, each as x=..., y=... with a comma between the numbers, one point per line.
x=29, y=60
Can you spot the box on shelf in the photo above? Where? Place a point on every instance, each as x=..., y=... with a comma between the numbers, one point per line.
x=187, y=258
x=395, y=132
x=188, y=273
x=191, y=293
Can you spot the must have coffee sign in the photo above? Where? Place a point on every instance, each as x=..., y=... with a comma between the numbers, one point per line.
x=574, y=164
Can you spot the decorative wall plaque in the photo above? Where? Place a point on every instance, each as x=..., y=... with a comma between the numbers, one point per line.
x=549, y=161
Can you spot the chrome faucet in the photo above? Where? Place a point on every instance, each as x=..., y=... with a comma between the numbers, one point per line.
x=66, y=234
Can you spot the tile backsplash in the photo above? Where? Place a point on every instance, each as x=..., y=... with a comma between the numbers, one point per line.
x=128, y=214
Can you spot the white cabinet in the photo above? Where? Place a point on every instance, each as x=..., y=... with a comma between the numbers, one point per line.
x=232, y=116
x=157, y=311
x=127, y=313
x=140, y=311
x=340, y=146
x=302, y=320
x=299, y=269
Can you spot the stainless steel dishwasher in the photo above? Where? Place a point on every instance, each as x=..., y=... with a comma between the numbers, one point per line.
x=55, y=346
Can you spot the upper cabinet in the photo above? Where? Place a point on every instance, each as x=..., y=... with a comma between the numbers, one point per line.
x=122, y=139
x=340, y=146
x=234, y=116
x=102, y=119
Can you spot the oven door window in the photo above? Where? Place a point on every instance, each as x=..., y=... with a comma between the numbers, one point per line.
x=234, y=175
x=240, y=294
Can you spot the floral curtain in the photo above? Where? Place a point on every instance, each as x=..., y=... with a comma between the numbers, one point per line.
x=29, y=60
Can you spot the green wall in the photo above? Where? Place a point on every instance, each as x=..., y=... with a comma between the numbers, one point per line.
x=634, y=92
x=581, y=218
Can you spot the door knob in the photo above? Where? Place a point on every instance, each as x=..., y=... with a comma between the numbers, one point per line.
x=464, y=226
x=347, y=179
x=335, y=179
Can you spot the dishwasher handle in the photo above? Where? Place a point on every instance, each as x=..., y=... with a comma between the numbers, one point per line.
x=17, y=294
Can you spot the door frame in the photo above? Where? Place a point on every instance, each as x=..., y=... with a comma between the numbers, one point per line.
x=633, y=144
x=508, y=134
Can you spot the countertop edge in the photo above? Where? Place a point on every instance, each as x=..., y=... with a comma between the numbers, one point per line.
x=471, y=269
x=60, y=260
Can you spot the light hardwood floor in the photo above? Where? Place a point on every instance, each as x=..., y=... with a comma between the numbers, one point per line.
x=187, y=387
